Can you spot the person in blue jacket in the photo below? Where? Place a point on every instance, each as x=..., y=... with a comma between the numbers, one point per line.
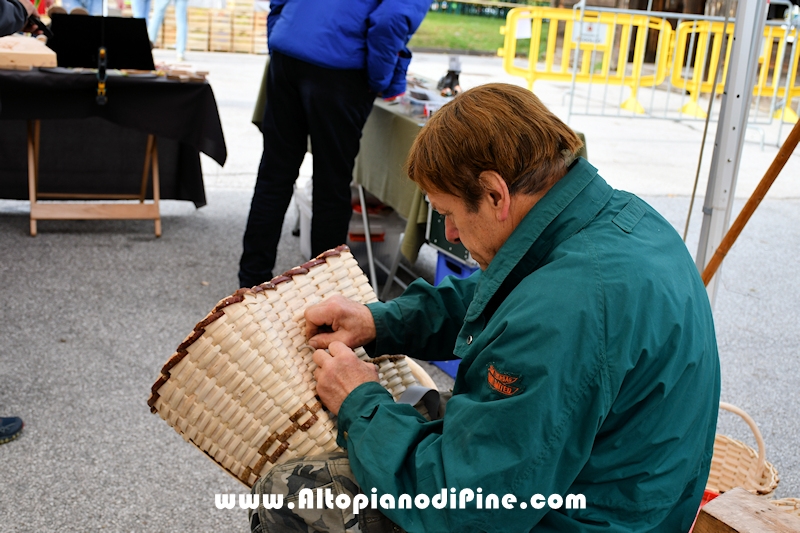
x=329, y=59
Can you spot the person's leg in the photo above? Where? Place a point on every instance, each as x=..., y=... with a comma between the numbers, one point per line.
x=285, y=142
x=160, y=7
x=94, y=7
x=141, y=9
x=337, y=103
x=331, y=473
x=181, y=24
x=69, y=5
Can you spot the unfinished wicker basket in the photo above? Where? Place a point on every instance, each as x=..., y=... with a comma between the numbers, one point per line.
x=241, y=388
x=735, y=464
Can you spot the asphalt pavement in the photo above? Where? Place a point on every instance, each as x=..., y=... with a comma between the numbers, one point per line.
x=92, y=309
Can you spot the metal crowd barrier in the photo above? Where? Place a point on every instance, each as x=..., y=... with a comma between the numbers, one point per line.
x=608, y=46
x=699, y=43
x=598, y=43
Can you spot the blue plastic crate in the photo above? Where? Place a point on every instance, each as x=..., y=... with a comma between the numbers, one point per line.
x=447, y=266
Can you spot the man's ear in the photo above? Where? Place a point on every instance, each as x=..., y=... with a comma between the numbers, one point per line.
x=497, y=193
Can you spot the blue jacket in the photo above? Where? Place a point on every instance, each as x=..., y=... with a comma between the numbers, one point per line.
x=349, y=34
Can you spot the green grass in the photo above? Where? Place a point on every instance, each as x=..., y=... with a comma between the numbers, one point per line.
x=459, y=32
x=448, y=31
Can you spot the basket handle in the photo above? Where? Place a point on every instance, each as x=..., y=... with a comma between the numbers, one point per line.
x=762, y=453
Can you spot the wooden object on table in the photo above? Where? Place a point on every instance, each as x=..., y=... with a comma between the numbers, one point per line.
x=92, y=210
x=22, y=53
x=738, y=511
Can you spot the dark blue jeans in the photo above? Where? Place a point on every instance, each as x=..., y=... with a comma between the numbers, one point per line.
x=304, y=100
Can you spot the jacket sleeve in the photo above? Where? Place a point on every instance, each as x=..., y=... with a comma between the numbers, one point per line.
x=425, y=320
x=389, y=28
x=12, y=17
x=275, y=8
x=534, y=441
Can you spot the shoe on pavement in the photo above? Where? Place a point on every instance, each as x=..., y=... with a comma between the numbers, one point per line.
x=10, y=428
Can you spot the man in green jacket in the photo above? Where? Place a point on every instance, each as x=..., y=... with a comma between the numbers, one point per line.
x=589, y=364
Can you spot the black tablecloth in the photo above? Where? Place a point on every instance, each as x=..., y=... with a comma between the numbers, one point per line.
x=88, y=148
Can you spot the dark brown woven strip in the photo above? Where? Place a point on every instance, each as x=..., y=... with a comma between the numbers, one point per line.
x=335, y=252
x=159, y=382
x=267, y=443
x=260, y=464
x=191, y=339
x=174, y=360
x=245, y=475
x=230, y=300
x=203, y=324
x=277, y=455
x=314, y=262
x=310, y=422
x=315, y=408
x=283, y=437
x=297, y=414
x=297, y=271
x=277, y=280
x=381, y=359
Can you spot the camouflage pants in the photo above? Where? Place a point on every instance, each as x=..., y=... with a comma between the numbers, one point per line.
x=329, y=471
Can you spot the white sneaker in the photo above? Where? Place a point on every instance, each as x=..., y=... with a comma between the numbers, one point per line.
x=181, y=58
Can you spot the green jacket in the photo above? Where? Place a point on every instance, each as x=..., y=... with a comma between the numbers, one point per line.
x=589, y=366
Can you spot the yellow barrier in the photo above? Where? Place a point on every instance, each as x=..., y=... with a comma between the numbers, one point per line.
x=704, y=40
x=605, y=34
x=769, y=76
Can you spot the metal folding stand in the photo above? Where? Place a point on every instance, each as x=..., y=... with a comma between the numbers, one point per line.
x=372, y=262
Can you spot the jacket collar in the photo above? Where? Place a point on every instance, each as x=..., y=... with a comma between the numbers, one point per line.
x=566, y=209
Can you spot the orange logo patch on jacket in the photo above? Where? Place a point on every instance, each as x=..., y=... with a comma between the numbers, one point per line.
x=501, y=382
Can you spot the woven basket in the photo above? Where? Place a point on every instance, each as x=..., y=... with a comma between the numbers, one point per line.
x=241, y=387
x=735, y=464
x=790, y=505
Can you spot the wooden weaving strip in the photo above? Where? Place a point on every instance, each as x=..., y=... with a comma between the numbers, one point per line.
x=241, y=387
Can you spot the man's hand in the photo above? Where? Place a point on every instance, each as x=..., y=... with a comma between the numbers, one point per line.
x=29, y=7
x=339, y=319
x=338, y=373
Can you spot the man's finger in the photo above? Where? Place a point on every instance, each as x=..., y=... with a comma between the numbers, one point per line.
x=317, y=318
x=320, y=341
x=338, y=348
x=321, y=357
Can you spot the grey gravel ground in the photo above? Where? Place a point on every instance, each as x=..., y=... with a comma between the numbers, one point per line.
x=92, y=309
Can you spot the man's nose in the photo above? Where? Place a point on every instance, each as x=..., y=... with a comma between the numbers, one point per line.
x=451, y=232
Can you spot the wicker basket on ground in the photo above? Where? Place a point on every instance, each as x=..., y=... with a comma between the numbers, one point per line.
x=735, y=464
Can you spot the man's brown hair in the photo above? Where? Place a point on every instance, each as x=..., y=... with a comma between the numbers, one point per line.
x=496, y=127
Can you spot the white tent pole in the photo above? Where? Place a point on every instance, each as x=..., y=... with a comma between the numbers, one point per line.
x=747, y=35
